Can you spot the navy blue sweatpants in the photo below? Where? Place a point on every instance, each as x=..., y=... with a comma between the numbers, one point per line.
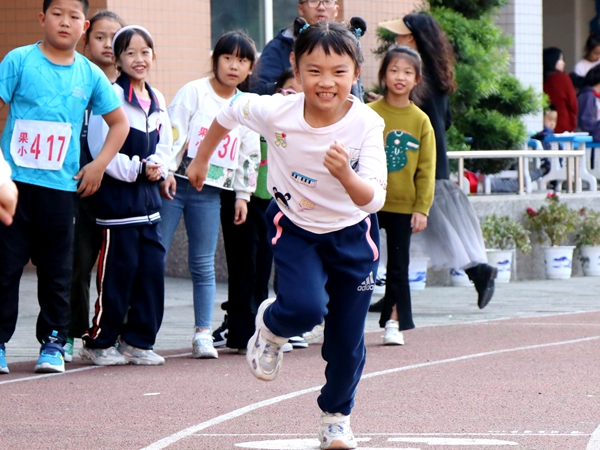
x=326, y=276
x=130, y=283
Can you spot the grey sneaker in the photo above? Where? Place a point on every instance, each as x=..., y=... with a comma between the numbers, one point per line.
x=202, y=348
x=316, y=335
x=264, y=348
x=102, y=356
x=335, y=432
x=139, y=356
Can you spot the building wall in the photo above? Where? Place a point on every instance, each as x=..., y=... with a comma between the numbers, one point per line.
x=522, y=19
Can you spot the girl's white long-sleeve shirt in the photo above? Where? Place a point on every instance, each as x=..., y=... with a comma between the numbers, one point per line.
x=306, y=192
x=234, y=164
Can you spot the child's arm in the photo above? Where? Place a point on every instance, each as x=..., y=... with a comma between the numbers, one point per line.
x=338, y=163
x=198, y=168
x=91, y=174
x=8, y=192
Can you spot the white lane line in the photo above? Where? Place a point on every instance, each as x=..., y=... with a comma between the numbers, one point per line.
x=594, y=442
x=165, y=442
x=81, y=369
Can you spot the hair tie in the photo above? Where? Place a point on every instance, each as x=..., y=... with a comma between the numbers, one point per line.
x=358, y=32
x=303, y=28
x=128, y=27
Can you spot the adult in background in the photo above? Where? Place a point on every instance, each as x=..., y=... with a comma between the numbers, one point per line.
x=453, y=237
x=275, y=58
x=559, y=87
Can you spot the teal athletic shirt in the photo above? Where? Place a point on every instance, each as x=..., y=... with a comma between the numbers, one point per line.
x=39, y=90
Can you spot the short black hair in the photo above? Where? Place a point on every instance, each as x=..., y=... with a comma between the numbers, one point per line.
x=100, y=15
x=285, y=75
x=235, y=43
x=592, y=78
x=330, y=36
x=122, y=41
x=85, y=4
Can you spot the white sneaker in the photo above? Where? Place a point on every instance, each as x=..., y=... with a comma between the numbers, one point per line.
x=103, y=356
x=202, y=346
x=335, y=432
x=138, y=356
x=315, y=336
x=393, y=336
x=287, y=347
x=298, y=342
x=264, y=353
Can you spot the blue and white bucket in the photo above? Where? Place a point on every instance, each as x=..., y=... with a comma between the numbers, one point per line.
x=417, y=273
x=501, y=259
x=459, y=278
x=559, y=262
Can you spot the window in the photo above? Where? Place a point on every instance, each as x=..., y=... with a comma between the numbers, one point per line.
x=249, y=16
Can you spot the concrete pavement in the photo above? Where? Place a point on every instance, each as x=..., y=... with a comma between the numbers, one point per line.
x=431, y=306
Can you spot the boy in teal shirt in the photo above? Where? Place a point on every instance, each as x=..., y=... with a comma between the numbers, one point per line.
x=48, y=86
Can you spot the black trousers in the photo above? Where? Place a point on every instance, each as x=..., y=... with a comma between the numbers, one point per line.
x=397, y=287
x=42, y=230
x=88, y=240
x=130, y=283
x=249, y=261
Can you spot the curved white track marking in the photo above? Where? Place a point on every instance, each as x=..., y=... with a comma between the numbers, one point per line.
x=163, y=443
x=594, y=442
x=81, y=369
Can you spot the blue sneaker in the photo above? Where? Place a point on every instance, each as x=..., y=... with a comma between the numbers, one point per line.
x=52, y=359
x=3, y=364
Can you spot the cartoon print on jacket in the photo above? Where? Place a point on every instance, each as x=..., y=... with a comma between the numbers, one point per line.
x=281, y=198
x=397, y=143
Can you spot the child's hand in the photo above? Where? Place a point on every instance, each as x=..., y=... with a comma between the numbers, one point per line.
x=8, y=202
x=168, y=187
x=241, y=211
x=337, y=161
x=153, y=172
x=196, y=173
x=418, y=222
x=91, y=177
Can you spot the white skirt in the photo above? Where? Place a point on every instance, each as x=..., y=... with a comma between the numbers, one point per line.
x=452, y=238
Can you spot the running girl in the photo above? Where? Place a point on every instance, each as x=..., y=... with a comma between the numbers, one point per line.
x=88, y=236
x=410, y=151
x=131, y=265
x=233, y=167
x=327, y=176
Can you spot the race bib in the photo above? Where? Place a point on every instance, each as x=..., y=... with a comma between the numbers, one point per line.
x=41, y=145
x=225, y=154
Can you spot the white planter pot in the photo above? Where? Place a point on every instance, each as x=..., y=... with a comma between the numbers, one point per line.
x=590, y=260
x=417, y=273
x=501, y=259
x=459, y=278
x=559, y=262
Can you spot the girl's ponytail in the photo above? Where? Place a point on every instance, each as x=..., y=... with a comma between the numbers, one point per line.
x=358, y=26
x=300, y=24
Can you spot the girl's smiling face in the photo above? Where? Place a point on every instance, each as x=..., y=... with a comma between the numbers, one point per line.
x=400, y=78
x=136, y=60
x=326, y=82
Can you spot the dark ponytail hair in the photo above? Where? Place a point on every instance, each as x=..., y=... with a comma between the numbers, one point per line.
x=330, y=36
x=99, y=16
x=435, y=50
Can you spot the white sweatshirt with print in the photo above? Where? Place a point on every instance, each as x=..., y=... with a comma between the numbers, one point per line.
x=306, y=192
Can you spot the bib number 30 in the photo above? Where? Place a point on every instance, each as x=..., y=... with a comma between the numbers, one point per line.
x=41, y=145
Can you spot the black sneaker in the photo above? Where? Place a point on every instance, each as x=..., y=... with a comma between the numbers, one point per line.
x=483, y=276
x=377, y=306
x=220, y=334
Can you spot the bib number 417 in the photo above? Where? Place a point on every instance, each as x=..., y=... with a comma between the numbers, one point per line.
x=40, y=145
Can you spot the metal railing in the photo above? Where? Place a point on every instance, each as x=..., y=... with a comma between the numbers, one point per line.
x=572, y=157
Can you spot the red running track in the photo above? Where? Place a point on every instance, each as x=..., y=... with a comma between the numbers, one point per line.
x=529, y=383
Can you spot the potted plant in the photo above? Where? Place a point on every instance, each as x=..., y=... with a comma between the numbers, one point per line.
x=554, y=222
x=588, y=241
x=502, y=236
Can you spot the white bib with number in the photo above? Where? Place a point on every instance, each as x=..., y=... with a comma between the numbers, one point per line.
x=37, y=144
x=225, y=154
